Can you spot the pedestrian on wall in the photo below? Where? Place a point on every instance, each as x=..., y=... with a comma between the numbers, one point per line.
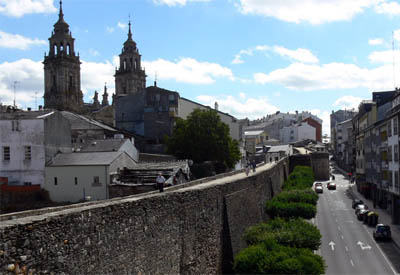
x=247, y=168
x=160, y=180
x=254, y=165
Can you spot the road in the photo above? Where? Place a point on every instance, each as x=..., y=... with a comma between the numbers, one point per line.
x=347, y=244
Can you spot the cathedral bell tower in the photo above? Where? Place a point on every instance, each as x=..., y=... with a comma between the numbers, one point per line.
x=62, y=70
x=129, y=78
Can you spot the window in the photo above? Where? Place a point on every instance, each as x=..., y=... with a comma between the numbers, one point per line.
x=96, y=181
x=396, y=178
x=28, y=152
x=15, y=125
x=396, y=153
x=389, y=153
x=55, y=181
x=389, y=128
x=6, y=153
x=396, y=184
x=76, y=180
x=395, y=126
x=27, y=183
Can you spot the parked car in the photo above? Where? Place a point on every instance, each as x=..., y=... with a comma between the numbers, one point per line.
x=360, y=207
x=356, y=202
x=361, y=214
x=382, y=232
x=331, y=186
x=319, y=189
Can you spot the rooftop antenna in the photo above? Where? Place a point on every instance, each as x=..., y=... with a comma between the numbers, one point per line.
x=394, y=62
x=15, y=92
x=155, y=79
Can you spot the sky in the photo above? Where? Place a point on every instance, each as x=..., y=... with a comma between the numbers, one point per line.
x=253, y=57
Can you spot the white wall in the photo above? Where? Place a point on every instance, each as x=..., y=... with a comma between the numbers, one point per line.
x=186, y=107
x=130, y=149
x=67, y=191
x=18, y=170
x=306, y=131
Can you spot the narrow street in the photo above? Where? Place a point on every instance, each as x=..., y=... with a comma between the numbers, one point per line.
x=347, y=244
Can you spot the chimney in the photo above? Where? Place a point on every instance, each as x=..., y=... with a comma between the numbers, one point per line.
x=40, y=107
x=216, y=106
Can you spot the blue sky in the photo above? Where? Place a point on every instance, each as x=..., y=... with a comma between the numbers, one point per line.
x=254, y=57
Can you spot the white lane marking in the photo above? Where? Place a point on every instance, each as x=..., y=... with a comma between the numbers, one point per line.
x=362, y=246
x=380, y=250
x=342, y=237
x=351, y=261
x=338, y=228
x=336, y=220
x=332, y=245
x=347, y=249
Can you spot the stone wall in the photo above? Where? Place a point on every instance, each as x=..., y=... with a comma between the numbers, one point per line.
x=194, y=228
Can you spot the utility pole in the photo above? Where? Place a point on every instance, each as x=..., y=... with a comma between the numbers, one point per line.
x=35, y=100
x=15, y=92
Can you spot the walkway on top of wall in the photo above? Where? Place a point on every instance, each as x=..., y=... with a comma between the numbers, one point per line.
x=41, y=214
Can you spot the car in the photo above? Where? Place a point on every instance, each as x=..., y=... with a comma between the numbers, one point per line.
x=331, y=186
x=382, y=232
x=362, y=213
x=317, y=183
x=319, y=189
x=360, y=207
x=356, y=202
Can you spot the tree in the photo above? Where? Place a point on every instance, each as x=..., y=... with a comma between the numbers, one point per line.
x=203, y=137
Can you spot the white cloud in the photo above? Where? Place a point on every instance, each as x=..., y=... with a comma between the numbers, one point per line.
x=376, y=41
x=348, y=102
x=311, y=11
x=172, y=3
x=122, y=25
x=18, y=8
x=187, y=70
x=308, y=77
x=93, y=52
x=110, y=29
x=30, y=76
x=16, y=41
x=302, y=55
x=390, y=8
x=239, y=107
x=383, y=56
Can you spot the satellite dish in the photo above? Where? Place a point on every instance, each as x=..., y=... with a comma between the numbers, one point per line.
x=190, y=162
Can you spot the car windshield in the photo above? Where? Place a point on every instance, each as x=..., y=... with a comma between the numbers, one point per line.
x=383, y=228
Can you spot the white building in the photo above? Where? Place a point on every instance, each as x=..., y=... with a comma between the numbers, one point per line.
x=297, y=132
x=78, y=176
x=27, y=141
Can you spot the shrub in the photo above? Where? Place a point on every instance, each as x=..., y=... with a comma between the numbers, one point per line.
x=302, y=177
x=271, y=258
x=294, y=232
x=305, y=195
x=275, y=208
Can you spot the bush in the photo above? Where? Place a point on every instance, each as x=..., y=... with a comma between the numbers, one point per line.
x=271, y=258
x=294, y=232
x=275, y=208
x=302, y=177
x=305, y=195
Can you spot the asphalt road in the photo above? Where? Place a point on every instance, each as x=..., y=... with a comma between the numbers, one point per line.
x=347, y=244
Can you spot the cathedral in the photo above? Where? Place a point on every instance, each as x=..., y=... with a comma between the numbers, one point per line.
x=62, y=75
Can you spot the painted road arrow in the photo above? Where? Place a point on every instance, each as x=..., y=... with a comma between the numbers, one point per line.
x=363, y=246
x=332, y=245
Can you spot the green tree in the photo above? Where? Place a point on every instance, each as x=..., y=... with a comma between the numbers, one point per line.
x=203, y=137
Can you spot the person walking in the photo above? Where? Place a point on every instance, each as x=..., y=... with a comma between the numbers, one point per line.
x=247, y=168
x=160, y=180
x=254, y=165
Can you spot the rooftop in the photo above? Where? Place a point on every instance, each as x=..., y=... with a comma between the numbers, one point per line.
x=85, y=159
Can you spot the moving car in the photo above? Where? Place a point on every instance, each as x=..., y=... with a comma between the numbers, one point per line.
x=360, y=207
x=331, y=186
x=382, y=232
x=356, y=202
x=318, y=187
x=361, y=214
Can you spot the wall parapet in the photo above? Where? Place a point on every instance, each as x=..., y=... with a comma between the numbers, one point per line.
x=192, y=228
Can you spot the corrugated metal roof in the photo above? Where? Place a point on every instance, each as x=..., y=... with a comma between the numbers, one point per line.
x=85, y=159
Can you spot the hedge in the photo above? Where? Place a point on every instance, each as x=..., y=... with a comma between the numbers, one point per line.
x=302, y=177
x=306, y=196
x=271, y=258
x=275, y=208
x=294, y=232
